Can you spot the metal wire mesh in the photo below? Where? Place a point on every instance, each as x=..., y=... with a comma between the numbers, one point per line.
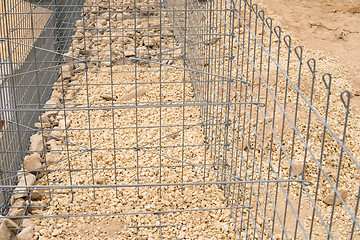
x=180, y=119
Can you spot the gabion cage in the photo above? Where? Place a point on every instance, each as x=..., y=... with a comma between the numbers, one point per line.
x=169, y=120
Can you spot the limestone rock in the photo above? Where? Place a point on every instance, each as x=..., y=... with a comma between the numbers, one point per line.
x=8, y=223
x=20, y=191
x=32, y=162
x=53, y=146
x=57, y=134
x=28, y=223
x=5, y=233
x=26, y=234
x=44, y=118
x=51, y=103
x=56, y=95
x=28, y=180
x=36, y=194
x=19, y=203
x=329, y=199
x=51, y=113
x=51, y=158
x=36, y=143
x=67, y=68
x=42, y=125
x=70, y=96
x=62, y=124
x=298, y=168
x=69, y=56
x=35, y=206
x=80, y=67
x=17, y=209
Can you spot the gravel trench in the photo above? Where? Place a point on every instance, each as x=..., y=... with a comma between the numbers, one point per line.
x=91, y=135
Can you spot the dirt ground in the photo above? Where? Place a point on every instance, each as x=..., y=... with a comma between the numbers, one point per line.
x=328, y=25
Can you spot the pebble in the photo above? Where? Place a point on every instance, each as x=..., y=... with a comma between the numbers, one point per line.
x=357, y=92
x=100, y=180
x=140, y=91
x=32, y=162
x=129, y=53
x=212, y=41
x=148, y=42
x=107, y=97
x=56, y=232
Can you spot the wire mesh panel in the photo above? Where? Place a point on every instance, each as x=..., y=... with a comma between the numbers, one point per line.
x=170, y=120
x=21, y=85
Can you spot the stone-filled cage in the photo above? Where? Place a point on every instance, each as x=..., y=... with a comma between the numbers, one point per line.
x=147, y=119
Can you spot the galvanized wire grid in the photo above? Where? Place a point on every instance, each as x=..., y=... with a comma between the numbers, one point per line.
x=264, y=111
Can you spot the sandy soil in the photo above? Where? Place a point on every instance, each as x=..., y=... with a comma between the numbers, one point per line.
x=327, y=25
x=19, y=27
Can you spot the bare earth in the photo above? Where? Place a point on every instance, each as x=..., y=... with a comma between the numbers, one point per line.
x=329, y=25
